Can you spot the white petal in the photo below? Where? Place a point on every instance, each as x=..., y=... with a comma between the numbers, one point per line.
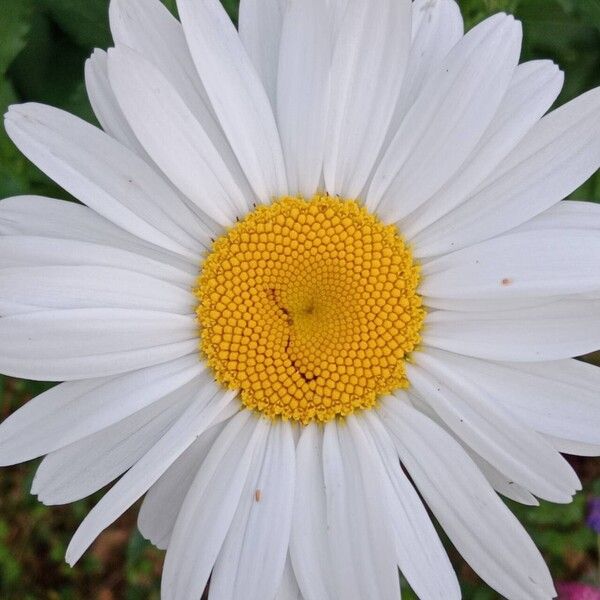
x=210, y=506
x=289, y=589
x=253, y=556
x=303, y=93
x=421, y=555
x=484, y=531
x=363, y=548
x=45, y=217
x=487, y=305
x=237, y=95
x=260, y=24
x=553, y=160
x=558, y=398
x=106, y=176
x=309, y=545
x=569, y=214
x=114, y=122
x=496, y=479
x=196, y=419
x=369, y=60
x=74, y=410
x=82, y=468
x=533, y=89
x=574, y=448
x=337, y=12
x=501, y=483
x=33, y=251
x=90, y=287
x=526, y=265
x=448, y=119
x=164, y=499
x=81, y=343
x=150, y=29
x=436, y=28
x=448, y=385
x=173, y=137
x=550, y=332
x=105, y=105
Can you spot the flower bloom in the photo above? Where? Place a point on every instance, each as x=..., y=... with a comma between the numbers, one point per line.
x=321, y=277
x=577, y=591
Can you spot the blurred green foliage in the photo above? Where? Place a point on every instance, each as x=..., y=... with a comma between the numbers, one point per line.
x=43, y=45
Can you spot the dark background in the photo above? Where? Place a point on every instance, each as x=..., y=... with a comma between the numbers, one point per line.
x=43, y=46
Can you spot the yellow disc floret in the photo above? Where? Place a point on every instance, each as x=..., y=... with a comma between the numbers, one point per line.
x=310, y=308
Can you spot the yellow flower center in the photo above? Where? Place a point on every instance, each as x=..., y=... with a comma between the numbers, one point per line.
x=309, y=308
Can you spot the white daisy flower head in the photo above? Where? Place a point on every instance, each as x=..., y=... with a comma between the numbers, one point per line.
x=321, y=278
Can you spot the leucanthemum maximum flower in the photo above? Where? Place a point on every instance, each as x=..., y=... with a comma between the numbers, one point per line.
x=322, y=277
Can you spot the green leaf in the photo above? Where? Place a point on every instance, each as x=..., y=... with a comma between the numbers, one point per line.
x=50, y=68
x=171, y=5
x=85, y=22
x=232, y=7
x=558, y=30
x=14, y=27
x=591, y=9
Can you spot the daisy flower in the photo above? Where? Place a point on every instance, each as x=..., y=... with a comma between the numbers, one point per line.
x=321, y=279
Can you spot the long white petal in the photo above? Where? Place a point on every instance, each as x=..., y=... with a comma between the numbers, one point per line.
x=534, y=87
x=289, y=589
x=105, y=105
x=106, y=176
x=436, y=28
x=303, y=93
x=164, y=499
x=527, y=264
x=309, y=545
x=210, y=506
x=65, y=287
x=22, y=251
x=574, y=448
x=173, y=137
x=48, y=218
x=196, y=419
x=553, y=160
x=74, y=410
x=149, y=28
x=362, y=546
x=260, y=25
x=237, y=94
x=500, y=482
x=491, y=431
x=421, y=555
x=550, y=332
x=484, y=531
x=448, y=119
x=369, y=60
x=568, y=214
x=85, y=466
x=77, y=344
x=558, y=398
x=497, y=480
x=488, y=305
x=253, y=556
